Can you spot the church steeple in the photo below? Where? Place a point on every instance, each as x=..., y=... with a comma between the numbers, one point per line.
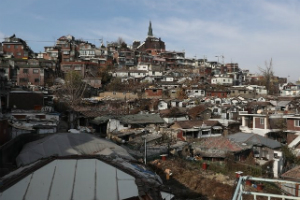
x=150, y=33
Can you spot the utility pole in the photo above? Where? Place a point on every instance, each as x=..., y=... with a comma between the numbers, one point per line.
x=145, y=155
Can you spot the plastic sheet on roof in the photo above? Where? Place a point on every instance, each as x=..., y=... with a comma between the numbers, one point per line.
x=65, y=144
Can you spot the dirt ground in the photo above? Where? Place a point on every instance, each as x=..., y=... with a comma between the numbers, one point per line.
x=188, y=181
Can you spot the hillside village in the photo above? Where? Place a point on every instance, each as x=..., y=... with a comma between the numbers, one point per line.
x=135, y=107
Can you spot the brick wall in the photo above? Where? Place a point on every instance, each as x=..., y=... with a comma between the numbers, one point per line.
x=291, y=125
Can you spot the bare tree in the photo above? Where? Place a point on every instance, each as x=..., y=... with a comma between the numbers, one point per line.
x=73, y=89
x=268, y=76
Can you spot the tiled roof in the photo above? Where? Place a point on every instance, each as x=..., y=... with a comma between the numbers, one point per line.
x=192, y=123
x=217, y=147
x=254, y=139
x=142, y=119
x=292, y=174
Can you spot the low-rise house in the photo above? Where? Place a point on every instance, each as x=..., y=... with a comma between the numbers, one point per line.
x=153, y=93
x=216, y=110
x=218, y=148
x=163, y=104
x=133, y=121
x=230, y=112
x=259, y=107
x=200, y=112
x=293, y=132
x=290, y=187
x=118, y=95
x=190, y=103
x=214, y=92
x=261, y=124
x=166, y=85
x=222, y=80
x=264, y=149
x=130, y=73
x=289, y=89
x=173, y=114
x=242, y=91
x=33, y=121
x=198, y=128
x=195, y=92
x=176, y=103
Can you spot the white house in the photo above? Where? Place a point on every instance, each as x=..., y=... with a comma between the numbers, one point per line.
x=260, y=90
x=195, y=92
x=162, y=105
x=222, y=80
x=130, y=73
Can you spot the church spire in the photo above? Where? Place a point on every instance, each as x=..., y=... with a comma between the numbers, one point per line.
x=150, y=33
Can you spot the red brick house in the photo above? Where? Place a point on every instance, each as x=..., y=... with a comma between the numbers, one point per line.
x=153, y=93
x=16, y=47
x=217, y=93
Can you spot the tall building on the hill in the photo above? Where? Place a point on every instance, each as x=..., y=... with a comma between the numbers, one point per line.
x=151, y=45
x=16, y=48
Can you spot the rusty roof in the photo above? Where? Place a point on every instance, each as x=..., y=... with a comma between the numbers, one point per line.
x=192, y=123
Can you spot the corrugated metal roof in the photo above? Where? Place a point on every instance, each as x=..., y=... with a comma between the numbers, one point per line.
x=74, y=179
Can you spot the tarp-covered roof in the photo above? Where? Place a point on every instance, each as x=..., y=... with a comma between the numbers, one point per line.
x=64, y=144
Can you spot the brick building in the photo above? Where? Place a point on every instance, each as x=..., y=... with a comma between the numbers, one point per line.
x=17, y=48
x=152, y=45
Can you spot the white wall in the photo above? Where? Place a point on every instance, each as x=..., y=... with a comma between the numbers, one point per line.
x=114, y=124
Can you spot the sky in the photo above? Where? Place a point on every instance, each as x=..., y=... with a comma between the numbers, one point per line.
x=247, y=32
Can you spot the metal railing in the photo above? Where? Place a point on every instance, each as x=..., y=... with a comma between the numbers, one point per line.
x=240, y=189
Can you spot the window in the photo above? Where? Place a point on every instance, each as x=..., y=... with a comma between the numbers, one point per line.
x=8, y=46
x=223, y=80
x=262, y=120
x=36, y=80
x=297, y=123
x=23, y=80
x=19, y=54
x=35, y=71
x=25, y=71
x=77, y=67
x=16, y=46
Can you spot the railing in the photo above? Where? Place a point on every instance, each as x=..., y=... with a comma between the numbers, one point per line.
x=240, y=189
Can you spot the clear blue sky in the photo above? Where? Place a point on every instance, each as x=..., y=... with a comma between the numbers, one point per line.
x=248, y=32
